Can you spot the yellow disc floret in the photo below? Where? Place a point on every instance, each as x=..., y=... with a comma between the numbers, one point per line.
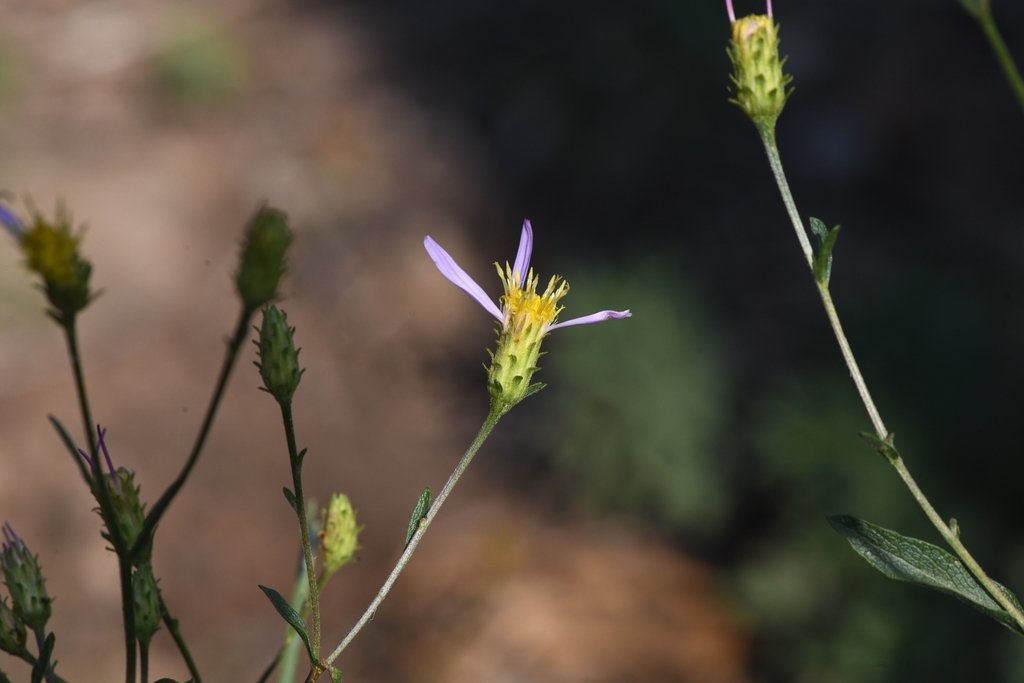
x=528, y=315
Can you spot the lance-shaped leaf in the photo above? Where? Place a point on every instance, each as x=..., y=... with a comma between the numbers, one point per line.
x=290, y=615
x=915, y=561
x=823, y=259
x=418, y=513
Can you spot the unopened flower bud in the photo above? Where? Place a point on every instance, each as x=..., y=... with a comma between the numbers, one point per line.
x=278, y=358
x=339, y=535
x=12, y=630
x=129, y=514
x=53, y=253
x=263, y=257
x=24, y=580
x=146, y=595
x=759, y=87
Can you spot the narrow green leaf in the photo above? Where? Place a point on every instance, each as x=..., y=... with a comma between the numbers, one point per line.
x=976, y=8
x=826, y=242
x=418, y=513
x=42, y=664
x=290, y=497
x=886, y=447
x=290, y=615
x=915, y=561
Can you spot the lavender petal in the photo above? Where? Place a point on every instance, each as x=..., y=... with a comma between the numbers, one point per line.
x=522, y=264
x=598, y=317
x=458, y=277
x=11, y=222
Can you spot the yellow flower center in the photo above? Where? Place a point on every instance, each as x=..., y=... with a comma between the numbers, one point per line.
x=525, y=309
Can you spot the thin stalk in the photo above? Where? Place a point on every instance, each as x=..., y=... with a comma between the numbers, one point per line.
x=998, y=45
x=493, y=416
x=952, y=539
x=103, y=499
x=40, y=634
x=300, y=510
x=234, y=345
x=144, y=662
x=175, y=631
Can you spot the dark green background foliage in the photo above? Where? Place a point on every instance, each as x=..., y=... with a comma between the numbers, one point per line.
x=721, y=412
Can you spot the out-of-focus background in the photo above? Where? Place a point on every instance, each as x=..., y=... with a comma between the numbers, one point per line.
x=656, y=514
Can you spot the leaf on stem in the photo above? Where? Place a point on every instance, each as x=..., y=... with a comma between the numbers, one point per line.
x=289, y=615
x=909, y=559
x=886, y=447
x=291, y=499
x=418, y=513
x=335, y=675
x=42, y=665
x=826, y=241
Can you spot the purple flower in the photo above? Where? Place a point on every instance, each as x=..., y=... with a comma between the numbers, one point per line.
x=521, y=304
x=526, y=317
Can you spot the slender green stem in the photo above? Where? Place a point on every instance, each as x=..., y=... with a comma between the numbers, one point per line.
x=234, y=345
x=300, y=511
x=495, y=414
x=144, y=662
x=103, y=499
x=40, y=635
x=952, y=538
x=1003, y=56
x=175, y=631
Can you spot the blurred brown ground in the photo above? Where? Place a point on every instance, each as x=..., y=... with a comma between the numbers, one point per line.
x=500, y=592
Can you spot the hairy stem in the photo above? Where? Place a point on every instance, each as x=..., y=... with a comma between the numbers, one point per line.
x=179, y=641
x=952, y=539
x=493, y=416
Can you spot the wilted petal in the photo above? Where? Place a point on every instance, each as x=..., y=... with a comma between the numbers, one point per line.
x=522, y=264
x=451, y=270
x=600, y=316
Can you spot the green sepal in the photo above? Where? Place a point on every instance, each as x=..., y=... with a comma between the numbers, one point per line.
x=418, y=513
x=915, y=561
x=335, y=675
x=826, y=241
x=886, y=447
x=42, y=664
x=290, y=497
x=289, y=615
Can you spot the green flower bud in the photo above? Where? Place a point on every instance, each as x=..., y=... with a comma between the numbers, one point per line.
x=24, y=580
x=128, y=511
x=12, y=630
x=52, y=252
x=263, y=257
x=759, y=87
x=278, y=358
x=339, y=535
x=146, y=596
x=129, y=514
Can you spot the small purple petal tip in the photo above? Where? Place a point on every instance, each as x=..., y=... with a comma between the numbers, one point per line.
x=598, y=317
x=458, y=277
x=732, y=14
x=11, y=222
x=522, y=264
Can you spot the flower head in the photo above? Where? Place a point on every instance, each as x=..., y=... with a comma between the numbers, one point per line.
x=129, y=512
x=24, y=579
x=759, y=86
x=53, y=252
x=526, y=316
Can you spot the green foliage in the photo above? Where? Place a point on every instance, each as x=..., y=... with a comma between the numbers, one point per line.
x=289, y=614
x=909, y=559
x=418, y=513
x=826, y=242
x=639, y=434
